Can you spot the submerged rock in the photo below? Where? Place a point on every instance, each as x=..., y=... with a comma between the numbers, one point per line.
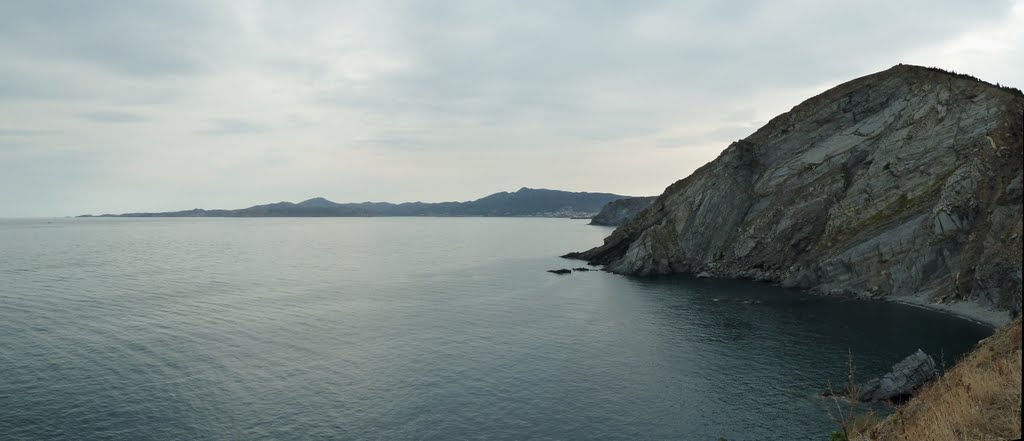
x=582, y=269
x=905, y=378
x=560, y=271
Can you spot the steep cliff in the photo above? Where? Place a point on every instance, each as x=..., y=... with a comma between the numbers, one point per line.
x=619, y=211
x=906, y=182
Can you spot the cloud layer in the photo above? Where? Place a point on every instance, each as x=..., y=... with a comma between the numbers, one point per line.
x=161, y=105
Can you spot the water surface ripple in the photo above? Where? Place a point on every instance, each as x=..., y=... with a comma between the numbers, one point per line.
x=409, y=329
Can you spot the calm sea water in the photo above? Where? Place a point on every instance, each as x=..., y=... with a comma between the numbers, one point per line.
x=409, y=329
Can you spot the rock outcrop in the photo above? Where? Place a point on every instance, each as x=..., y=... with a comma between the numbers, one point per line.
x=906, y=182
x=905, y=378
x=617, y=212
x=980, y=397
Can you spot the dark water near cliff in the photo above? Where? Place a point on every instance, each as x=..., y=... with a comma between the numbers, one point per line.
x=408, y=328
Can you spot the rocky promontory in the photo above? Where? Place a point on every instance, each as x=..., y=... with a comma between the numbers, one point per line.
x=619, y=211
x=906, y=183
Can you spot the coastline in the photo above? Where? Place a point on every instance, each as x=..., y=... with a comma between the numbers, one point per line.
x=965, y=310
x=969, y=311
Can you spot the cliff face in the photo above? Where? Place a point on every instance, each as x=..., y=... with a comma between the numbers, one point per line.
x=906, y=182
x=617, y=212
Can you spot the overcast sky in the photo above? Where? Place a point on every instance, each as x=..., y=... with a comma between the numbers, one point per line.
x=132, y=105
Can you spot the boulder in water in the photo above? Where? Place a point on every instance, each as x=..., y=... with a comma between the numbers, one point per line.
x=905, y=379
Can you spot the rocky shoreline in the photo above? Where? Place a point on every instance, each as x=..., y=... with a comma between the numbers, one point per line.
x=966, y=311
x=903, y=185
x=993, y=319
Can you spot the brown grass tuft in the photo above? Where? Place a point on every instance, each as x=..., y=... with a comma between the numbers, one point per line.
x=979, y=399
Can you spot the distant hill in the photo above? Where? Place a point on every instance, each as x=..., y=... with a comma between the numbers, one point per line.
x=525, y=202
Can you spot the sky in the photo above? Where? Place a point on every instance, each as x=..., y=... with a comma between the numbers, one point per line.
x=140, y=105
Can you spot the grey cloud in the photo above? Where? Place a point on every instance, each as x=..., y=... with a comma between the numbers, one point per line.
x=730, y=133
x=299, y=121
x=428, y=80
x=20, y=84
x=550, y=48
x=547, y=63
x=746, y=114
x=232, y=126
x=113, y=117
x=143, y=38
x=26, y=132
x=396, y=140
x=29, y=79
x=47, y=185
x=721, y=135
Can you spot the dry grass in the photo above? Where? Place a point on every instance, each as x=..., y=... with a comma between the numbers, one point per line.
x=851, y=422
x=979, y=399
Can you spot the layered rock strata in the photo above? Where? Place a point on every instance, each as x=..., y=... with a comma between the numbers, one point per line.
x=906, y=182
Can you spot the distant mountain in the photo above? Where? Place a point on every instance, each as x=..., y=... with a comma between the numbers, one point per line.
x=525, y=202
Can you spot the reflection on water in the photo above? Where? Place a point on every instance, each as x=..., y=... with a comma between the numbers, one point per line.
x=409, y=328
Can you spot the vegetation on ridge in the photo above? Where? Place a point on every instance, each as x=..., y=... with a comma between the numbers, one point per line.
x=966, y=76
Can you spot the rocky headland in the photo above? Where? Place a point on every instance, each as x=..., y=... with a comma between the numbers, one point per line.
x=617, y=212
x=905, y=184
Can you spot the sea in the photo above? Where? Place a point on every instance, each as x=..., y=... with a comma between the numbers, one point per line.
x=412, y=329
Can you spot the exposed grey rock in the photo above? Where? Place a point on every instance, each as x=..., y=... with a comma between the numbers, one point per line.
x=905, y=378
x=906, y=182
x=617, y=212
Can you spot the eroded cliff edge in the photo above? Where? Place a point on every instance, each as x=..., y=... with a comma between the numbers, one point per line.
x=904, y=183
x=619, y=211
